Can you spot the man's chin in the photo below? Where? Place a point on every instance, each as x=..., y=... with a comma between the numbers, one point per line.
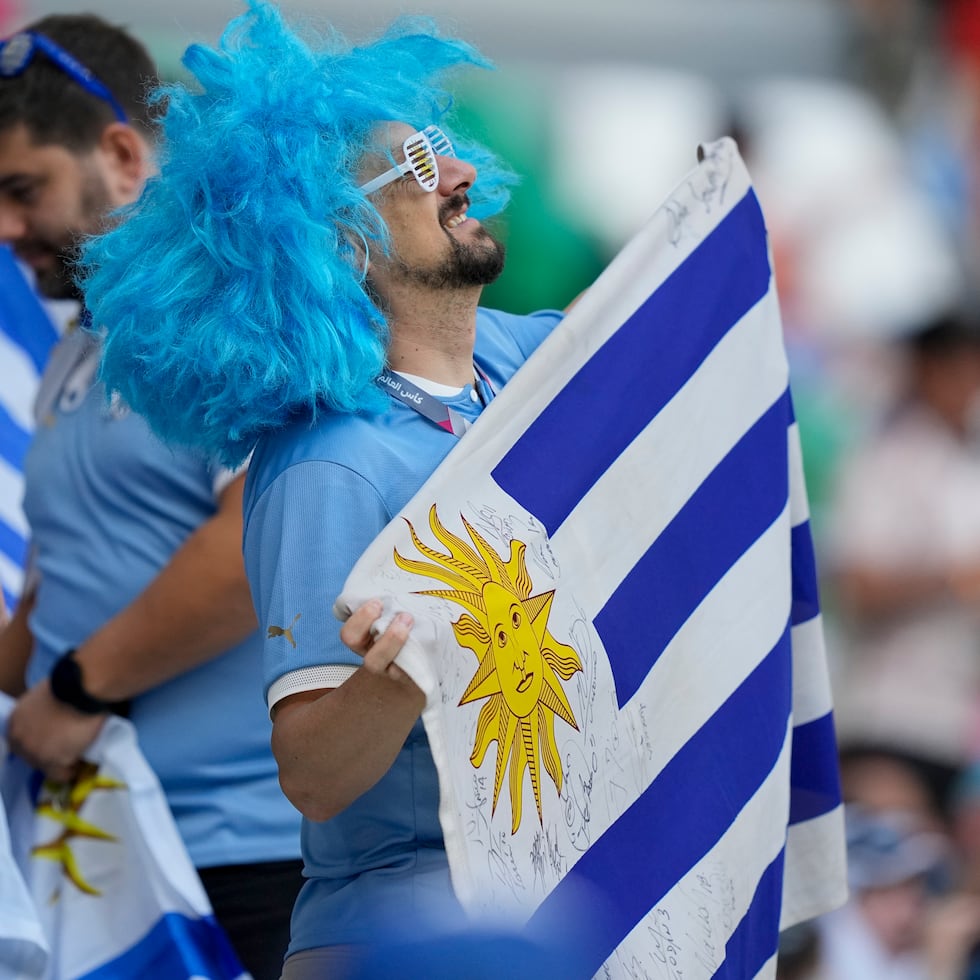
x=55, y=284
x=491, y=263
x=475, y=263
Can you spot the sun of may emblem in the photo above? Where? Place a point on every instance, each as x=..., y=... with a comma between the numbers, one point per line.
x=520, y=662
x=62, y=803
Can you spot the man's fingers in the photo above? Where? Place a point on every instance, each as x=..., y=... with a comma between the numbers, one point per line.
x=356, y=631
x=61, y=771
x=378, y=652
x=62, y=774
x=379, y=659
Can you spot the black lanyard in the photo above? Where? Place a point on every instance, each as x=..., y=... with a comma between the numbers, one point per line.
x=430, y=407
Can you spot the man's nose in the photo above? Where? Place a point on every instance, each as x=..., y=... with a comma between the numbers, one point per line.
x=455, y=176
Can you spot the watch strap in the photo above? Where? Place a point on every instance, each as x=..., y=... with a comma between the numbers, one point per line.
x=68, y=687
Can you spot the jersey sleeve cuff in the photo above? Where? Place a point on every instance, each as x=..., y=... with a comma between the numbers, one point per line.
x=321, y=677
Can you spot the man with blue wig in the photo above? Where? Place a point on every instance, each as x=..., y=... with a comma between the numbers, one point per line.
x=302, y=281
x=139, y=602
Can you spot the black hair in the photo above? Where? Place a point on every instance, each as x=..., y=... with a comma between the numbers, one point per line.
x=946, y=334
x=54, y=108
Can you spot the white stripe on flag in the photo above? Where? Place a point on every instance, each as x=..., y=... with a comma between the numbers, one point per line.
x=816, y=868
x=11, y=495
x=20, y=381
x=811, y=680
x=11, y=576
x=797, y=483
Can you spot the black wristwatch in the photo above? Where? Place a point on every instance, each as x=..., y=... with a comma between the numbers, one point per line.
x=67, y=687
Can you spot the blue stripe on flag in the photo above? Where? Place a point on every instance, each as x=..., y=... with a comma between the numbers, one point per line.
x=681, y=815
x=9, y=598
x=22, y=317
x=706, y=295
x=12, y=544
x=14, y=440
x=756, y=938
x=806, y=592
x=176, y=946
x=814, y=775
x=738, y=501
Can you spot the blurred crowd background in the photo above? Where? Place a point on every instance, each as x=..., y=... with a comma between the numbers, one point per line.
x=860, y=123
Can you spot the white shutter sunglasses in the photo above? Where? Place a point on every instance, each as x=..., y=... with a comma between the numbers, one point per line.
x=421, y=152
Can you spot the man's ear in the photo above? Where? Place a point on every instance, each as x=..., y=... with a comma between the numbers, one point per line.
x=127, y=159
x=361, y=253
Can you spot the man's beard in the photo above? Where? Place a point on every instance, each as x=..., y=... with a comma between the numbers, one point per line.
x=477, y=262
x=58, y=281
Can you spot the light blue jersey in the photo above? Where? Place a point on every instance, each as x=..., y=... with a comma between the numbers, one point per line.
x=315, y=497
x=108, y=504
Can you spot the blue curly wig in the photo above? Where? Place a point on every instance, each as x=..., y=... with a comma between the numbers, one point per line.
x=230, y=296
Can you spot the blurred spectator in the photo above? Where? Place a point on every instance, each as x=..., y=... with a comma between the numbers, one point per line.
x=880, y=779
x=891, y=45
x=800, y=954
x=904, y=559
x=961, y=37
x=920, y=59
x=902, y=922
x=965, y=826
x=860, y=252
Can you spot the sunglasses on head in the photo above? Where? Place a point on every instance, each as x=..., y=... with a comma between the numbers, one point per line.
x=421, y=152
x=16, y=54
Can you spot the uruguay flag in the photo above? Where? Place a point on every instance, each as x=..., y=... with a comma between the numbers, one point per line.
x=617, y=625
x=103, y=885
x=26, y=337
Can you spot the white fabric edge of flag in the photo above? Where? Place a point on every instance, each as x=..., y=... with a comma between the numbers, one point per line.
x=811, y=847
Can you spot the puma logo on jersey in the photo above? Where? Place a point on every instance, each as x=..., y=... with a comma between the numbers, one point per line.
x=286, y=631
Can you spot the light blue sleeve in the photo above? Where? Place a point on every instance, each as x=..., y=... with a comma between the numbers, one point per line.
x=512, y=338
x=535, y=327
x=302, y=537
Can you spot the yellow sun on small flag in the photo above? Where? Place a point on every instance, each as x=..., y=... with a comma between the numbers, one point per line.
x=520, y=662
x=62, y=803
